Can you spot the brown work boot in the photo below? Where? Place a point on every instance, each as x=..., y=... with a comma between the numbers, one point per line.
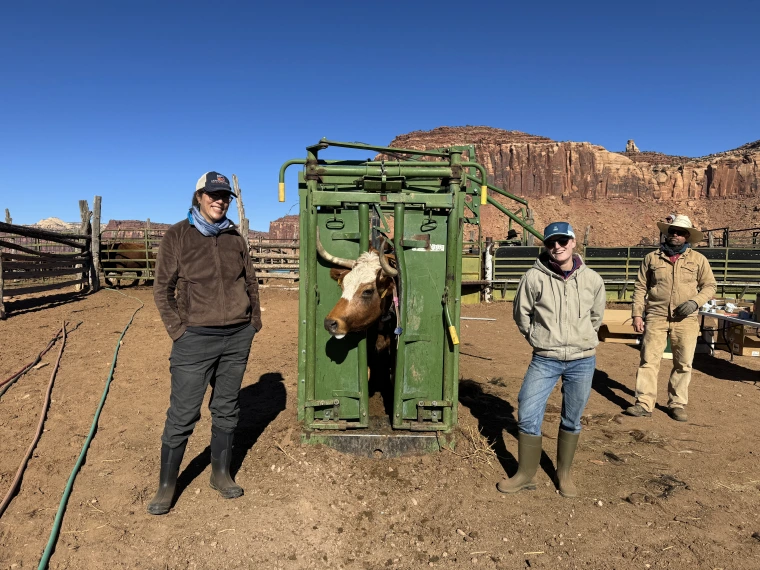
x=638, y=411
x=528, y=457
x=678, y=414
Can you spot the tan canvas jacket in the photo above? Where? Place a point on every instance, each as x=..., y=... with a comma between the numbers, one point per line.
x=204, y=281
x=661, y=285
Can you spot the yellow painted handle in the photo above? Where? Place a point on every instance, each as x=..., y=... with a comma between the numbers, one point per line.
x=282, y=192
x=483, y=195
x=454, y=336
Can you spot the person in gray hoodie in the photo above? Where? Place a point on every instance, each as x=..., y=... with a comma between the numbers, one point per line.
x=558, y=308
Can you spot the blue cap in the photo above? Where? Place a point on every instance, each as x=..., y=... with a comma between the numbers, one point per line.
x=558, y=229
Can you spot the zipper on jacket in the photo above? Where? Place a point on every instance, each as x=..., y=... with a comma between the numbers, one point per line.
x=218, y=261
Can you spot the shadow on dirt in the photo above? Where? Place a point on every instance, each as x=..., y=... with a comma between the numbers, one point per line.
x=611, y=389
x=260, y=404
x=724, y=369
x=34, y=304
x=495, y=415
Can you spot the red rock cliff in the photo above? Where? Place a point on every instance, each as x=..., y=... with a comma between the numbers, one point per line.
x=534, y=167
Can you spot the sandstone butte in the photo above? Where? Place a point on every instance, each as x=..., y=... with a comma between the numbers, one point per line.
x=534, y=167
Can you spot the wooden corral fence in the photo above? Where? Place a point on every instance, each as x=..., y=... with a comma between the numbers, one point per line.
x=33, y=260
x=274, y=259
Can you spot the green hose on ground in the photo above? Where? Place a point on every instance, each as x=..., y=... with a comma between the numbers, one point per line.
x=70, y=484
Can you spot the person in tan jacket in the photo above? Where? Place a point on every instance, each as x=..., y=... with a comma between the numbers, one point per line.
x=672, y=283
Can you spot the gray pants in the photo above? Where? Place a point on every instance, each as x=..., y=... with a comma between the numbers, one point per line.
x=197, y=361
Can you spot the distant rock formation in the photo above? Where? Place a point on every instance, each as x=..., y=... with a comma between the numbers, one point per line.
x=57, y=225
x=533, y=166
x=630, y=146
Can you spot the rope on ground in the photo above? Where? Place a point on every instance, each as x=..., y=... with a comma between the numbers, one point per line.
x=40, y=424
x=55, y=532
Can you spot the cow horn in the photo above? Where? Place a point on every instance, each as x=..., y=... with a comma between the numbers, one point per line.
x=387, y=269
x=331, y=258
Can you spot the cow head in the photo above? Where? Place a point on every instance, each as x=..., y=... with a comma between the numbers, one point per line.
x=367, y=285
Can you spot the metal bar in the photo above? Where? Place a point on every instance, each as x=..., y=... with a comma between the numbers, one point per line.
x=364, y=236
x=453, y=286
x=430, y=200
x=302, y=323
x=358, y=171
x=283, y=168
x=509, y=214
x=498, y=190
x=311, y=300
x=398, y=387
x=324, y=143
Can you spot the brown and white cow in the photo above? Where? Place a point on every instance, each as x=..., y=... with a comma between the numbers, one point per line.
x=368, y=290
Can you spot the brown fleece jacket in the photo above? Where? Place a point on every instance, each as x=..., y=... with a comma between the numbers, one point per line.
x=204, y=281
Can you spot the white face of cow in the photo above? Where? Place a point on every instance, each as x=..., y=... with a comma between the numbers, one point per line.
x=361, y=304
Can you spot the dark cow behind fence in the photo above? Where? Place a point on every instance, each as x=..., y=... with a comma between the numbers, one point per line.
x=126, y=262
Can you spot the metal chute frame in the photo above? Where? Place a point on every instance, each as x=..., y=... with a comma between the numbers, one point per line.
x=426, y=201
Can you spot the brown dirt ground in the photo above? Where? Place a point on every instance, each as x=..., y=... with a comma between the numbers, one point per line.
x=655, y=493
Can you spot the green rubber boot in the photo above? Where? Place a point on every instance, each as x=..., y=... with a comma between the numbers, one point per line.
x=566, y=444
x=528, y=457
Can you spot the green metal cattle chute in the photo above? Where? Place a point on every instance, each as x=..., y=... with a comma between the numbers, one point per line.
x=417, y=205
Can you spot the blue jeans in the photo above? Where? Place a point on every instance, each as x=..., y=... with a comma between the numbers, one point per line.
x=539, y=381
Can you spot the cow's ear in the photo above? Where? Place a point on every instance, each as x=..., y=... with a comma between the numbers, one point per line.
x=338, y=274
x=383, y=282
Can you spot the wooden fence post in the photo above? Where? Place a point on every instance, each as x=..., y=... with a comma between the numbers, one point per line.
x=241, y=209
x=96, y=241
x=146, y=235
x=2, y=305
x=84, y=211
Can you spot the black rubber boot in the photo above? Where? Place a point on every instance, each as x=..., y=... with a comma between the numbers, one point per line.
x=528, y=457
x=167, y=480
x=566, y=444
x=221, y=456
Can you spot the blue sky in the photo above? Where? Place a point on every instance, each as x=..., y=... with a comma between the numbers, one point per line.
x=134, y=100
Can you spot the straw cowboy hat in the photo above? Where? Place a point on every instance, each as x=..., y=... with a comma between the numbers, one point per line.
x=695, y=236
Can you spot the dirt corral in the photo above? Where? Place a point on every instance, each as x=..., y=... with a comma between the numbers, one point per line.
x=654, y=493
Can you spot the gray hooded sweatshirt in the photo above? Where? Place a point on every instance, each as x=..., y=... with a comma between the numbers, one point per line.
x=560, y=318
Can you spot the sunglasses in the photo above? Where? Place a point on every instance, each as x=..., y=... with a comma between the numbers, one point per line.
x=216, y=196
x=562, y=242
x=676, y=232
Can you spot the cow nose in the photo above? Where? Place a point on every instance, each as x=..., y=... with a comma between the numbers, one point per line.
x=331, y=325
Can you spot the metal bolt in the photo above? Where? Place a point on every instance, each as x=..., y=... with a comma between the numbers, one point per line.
x=397, y=415
x=304, y=322
x=303, y=380
x=303, y=351
x=420, y=403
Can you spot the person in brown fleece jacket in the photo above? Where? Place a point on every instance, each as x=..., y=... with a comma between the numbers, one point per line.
x=207, y=294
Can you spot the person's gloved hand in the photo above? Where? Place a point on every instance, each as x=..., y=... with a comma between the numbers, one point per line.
x=685, y=309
